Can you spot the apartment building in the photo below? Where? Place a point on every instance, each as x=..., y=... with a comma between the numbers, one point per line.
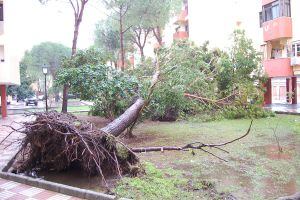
x=9, y=59
x=182, y=23
x=215, y=21
x=280, y=22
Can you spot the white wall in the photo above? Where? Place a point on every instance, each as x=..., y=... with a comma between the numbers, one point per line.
x=295, y=10
x=9, y=69
x=215, y=20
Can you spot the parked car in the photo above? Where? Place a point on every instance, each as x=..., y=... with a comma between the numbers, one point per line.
x=31, y=100
x=73, y=96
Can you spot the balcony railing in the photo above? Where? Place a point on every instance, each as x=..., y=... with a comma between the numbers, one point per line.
x=278, y=67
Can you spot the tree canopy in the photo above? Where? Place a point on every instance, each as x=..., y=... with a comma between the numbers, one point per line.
x=47, y=54
x=132, y=22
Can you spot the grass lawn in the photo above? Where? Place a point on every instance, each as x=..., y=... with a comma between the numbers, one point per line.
x=75, y=108
x=255, y=168
x=78, y=108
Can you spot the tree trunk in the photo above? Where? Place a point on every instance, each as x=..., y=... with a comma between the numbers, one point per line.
x=122, y=42
x=142, y=54
x=157, y=34
x=78, y=18
x=64, y=108
x=130, y=116
x=120, y=124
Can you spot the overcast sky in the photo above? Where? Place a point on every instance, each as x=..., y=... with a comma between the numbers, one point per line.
x=55, y=22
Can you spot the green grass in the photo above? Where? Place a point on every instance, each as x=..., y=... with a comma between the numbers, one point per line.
x=155, y=185
x=75, y=108
x=78, y=108
x=256, y=170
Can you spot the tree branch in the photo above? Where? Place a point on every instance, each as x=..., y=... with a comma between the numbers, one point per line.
x=194, y=145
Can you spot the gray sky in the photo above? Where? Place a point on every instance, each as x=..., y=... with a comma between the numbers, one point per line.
x=54, y=22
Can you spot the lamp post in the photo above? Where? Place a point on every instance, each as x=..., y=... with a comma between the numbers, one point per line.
x=45, y=72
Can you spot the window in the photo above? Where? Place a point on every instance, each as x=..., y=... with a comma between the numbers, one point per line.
x=287, y=8
x=261, y=21
x=186, y=7
x=276, y=53
x=275, y=9
x=268, y=13
x=296, y=49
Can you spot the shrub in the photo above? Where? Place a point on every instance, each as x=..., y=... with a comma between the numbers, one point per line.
x=248, y=111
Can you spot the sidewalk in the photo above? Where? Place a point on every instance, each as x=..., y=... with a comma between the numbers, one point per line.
x=8, y=149
x=11, y=190
x=293, y=109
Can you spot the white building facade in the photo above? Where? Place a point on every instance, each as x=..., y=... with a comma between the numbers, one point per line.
x=9, y=53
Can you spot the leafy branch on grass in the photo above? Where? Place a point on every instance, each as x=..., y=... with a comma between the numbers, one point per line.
x=194, y=146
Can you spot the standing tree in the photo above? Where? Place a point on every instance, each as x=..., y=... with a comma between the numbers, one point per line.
x=24, y=90
x=120, y=12
x=140, y=18
x=139, y=38
x=47, y=53
x=241, y=68
x=78, y=10
x=108, y=41
x=159, y=14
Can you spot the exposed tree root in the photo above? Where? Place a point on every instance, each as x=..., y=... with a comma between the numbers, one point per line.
x=56, y=141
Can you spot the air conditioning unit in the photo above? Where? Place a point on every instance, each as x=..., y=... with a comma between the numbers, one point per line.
x=295, y=61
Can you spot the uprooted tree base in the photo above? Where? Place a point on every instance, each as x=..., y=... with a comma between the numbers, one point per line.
x=56, y=141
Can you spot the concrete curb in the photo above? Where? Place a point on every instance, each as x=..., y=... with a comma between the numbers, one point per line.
x=57, y=187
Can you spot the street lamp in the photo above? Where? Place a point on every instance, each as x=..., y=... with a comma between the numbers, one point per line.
x=45, y=72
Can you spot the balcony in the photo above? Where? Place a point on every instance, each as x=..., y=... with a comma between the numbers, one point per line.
x=180, y=35
x=278, y=67
x=277, y=28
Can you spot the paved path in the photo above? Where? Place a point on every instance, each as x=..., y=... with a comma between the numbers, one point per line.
x=9, y=146
x=284, y=108
x=12, y=190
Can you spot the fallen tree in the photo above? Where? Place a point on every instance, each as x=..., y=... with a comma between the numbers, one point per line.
x=57, y=141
